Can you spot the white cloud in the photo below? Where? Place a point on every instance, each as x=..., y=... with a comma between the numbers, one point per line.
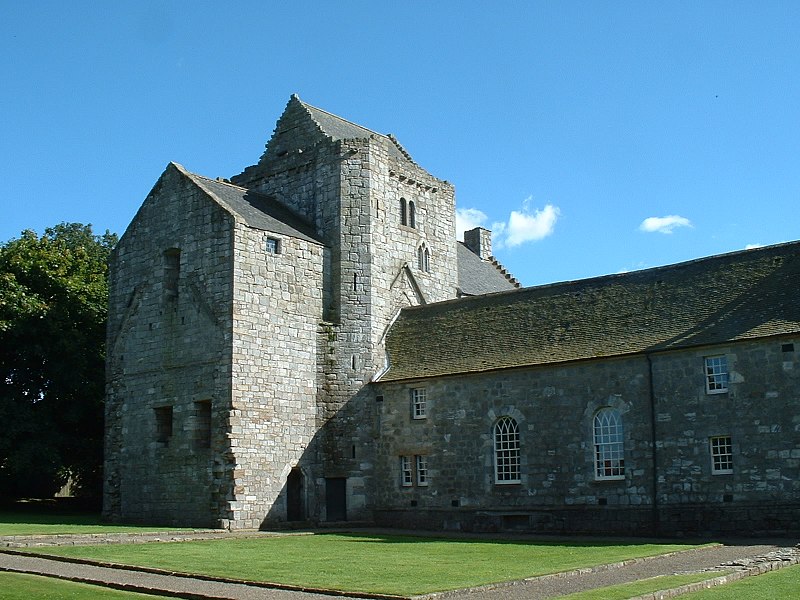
x=753, y=246
x=524, y=225
x=468, y=218
x=664, y=224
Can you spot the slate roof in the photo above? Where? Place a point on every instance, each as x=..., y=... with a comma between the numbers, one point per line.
x=737, y=296
x=255, y=210
x=338, y=128
x=476, y=276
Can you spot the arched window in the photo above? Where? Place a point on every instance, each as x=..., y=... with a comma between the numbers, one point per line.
x=609, y=459
x=506, y=451
x=424, y=259
x=403, y=213
x=412, y=214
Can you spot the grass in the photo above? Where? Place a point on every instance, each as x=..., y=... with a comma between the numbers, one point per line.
x=641, y=587
x=386, y=564
x=16, y=586
x=14, y=522
x=783, y=584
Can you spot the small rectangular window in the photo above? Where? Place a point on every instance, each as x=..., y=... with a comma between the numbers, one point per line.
x=721, y=455
x=406, y=479
x=418, y=403
x=202, y=424
x=172, y=271
x=273, y=246
x=716, y=374
x=422, y=469
x=787, y=347
x=163, y=423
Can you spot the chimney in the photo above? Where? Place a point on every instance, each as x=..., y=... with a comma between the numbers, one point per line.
x=479, y=240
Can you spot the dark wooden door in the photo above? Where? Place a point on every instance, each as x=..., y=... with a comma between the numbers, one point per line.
x=336, y=498
x=295, y=492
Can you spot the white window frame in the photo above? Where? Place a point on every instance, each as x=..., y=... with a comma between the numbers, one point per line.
x=716, y=373
x=419, y=403
x=272, y=245
x=406, y=474
x=609, y=444
x=422, y=469
x=721, y=450
x=506, y=451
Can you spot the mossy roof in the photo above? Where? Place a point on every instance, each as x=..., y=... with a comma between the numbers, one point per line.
x=730, y=297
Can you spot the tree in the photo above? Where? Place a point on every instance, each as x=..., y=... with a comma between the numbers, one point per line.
x=53, y=309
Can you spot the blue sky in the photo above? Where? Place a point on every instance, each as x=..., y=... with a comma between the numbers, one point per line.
x=592, y=137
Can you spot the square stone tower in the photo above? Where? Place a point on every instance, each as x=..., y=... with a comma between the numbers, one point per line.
x=247, y=319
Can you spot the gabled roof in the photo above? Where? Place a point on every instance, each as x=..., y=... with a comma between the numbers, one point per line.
x=476, y=276
x=253, y=209
x=730, y=297
x=338, y=128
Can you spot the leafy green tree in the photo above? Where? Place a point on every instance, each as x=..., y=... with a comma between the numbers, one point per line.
x=53, y=309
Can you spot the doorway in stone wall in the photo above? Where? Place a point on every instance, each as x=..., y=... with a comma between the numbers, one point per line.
x=295, y=493
x=336, y=498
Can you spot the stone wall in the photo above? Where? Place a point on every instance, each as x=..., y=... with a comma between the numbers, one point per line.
x=276, y=313
x=671, y=491
x=169, y=352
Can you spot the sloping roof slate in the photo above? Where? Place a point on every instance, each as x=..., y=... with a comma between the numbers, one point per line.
x=736, y=296
x=253, y=209
x=476, y=276
x=338, y=128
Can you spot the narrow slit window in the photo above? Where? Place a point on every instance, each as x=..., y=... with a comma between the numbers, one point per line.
x=202, y=424
x=172, y=271
x=163, y=416
x=412, y=215
x=403, y=213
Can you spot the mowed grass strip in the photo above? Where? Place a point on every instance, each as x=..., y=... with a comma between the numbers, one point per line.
x=18, y=586
x=641, y=587
x=404, y=565
x=22, y=523
x=783, y=584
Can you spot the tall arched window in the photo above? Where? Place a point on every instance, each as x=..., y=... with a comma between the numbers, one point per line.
x=412, y=214
x=424, y=259
x=403, y=213
x=506, y=451
x=609, y=459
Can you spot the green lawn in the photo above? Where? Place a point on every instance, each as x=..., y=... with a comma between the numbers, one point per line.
x=402, y=565
x=783, y=584
x=641, y=587
x=45, y=523
x=17, y=586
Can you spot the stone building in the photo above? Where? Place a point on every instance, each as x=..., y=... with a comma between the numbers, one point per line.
x=308, y=342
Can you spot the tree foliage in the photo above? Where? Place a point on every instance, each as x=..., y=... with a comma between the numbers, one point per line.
x=53, y=309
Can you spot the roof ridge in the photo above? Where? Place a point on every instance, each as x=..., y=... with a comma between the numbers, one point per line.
x=310, y=107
